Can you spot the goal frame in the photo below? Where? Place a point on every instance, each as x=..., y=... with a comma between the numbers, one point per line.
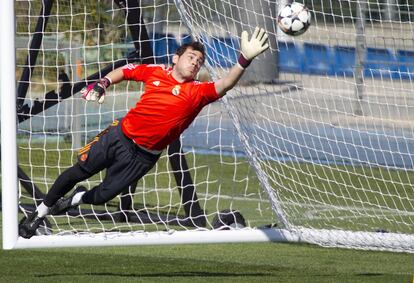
x=11, y=240
x=8, y=125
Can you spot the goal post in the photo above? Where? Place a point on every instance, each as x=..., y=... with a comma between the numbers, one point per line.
x=284, y=157
x=8, y=126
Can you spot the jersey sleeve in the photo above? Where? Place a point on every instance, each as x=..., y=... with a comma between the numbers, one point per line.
x=138, y=72
x=203, y=93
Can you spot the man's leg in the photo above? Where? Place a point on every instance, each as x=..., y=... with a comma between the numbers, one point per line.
x=63, y=184
x=64, y=204
x=126, y=169
x=92, y=158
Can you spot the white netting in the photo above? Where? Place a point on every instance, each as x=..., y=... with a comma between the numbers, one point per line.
x=327, y=137
x=331, y=139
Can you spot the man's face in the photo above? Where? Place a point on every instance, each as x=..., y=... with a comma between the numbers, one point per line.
x=187, y=65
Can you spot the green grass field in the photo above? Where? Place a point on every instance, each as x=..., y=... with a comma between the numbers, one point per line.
x=252, y=262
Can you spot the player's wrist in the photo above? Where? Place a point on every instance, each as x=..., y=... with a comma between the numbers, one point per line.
x=243, y=61
x=106, y=82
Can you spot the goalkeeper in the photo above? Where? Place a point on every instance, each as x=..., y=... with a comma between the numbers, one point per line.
x=130, y=147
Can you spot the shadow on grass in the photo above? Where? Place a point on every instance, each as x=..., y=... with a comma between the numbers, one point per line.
x=370, y=274
x=165, y=274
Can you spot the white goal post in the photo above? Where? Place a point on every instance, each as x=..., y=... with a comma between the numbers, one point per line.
x=314, y=145
x=8, y=125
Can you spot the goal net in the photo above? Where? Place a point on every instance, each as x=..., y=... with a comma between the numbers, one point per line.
x=315, y=144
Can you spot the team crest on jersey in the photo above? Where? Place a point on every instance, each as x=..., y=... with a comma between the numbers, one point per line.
x=176, y=90
x=83, y=157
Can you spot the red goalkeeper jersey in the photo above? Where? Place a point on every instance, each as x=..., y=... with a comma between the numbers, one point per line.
x=166, y=108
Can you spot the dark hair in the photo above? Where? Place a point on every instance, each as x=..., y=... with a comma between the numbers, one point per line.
x=195, y=45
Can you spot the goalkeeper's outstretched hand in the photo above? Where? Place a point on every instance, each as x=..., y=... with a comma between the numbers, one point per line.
x=253, y=47
x=96, y=91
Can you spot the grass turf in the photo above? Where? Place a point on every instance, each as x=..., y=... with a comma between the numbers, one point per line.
x=250, y=262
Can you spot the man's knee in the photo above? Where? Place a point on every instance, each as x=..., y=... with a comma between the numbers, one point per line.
x=97, y=196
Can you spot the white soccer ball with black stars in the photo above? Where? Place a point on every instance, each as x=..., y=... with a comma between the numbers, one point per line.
x=294, y=19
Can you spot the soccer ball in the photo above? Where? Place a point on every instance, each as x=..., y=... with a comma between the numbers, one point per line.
x=294, y=19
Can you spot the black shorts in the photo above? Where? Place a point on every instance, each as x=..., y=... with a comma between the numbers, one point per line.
x=123, y=160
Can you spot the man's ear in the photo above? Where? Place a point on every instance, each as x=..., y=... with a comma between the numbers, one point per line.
x=175, y=59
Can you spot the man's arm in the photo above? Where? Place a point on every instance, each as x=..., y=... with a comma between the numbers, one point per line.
x=249, y=50
x=96, y=91
x=116, y=75
x=229, y=81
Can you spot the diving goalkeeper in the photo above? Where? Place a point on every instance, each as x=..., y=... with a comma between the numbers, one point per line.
x=131, y=146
